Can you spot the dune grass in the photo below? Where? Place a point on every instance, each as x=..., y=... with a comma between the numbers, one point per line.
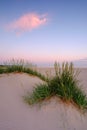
x=63, y=84
x=21, y=66
x=40, y=92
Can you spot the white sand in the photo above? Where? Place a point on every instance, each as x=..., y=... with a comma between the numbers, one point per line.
x=15, y=114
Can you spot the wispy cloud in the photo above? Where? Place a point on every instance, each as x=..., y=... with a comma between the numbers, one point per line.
x=27, y=22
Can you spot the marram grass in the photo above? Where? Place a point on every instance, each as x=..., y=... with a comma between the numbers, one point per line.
x=40, y=92
x=63, y=85
x=20, y=66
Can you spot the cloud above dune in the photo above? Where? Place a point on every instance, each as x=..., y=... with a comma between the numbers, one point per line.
x=28, y=22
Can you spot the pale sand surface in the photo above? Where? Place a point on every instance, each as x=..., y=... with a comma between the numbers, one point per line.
x=15, y=114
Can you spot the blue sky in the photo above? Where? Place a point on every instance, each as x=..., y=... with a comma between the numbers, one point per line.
x=43, y=31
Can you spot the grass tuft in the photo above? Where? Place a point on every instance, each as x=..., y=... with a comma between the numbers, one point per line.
x=21, y=66
x=40, y=93
x=64, y=85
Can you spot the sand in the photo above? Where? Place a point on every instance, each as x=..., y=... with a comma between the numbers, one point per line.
x=15, y=114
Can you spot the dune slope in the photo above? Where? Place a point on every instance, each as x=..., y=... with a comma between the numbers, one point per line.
x=15, y=114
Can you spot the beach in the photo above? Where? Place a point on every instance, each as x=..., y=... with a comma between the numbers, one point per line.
x=15, y=114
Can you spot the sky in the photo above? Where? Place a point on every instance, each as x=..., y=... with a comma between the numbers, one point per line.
x=43, y=31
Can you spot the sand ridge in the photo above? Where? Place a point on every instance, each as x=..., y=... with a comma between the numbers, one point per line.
x=15, y=114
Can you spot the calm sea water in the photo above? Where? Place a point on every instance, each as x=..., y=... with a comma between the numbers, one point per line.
x=77, y=64
x=80, y=64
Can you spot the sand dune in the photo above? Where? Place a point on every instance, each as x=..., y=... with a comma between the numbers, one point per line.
x=15, y=114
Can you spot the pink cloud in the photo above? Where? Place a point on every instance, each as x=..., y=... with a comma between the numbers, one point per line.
x=27, y=22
